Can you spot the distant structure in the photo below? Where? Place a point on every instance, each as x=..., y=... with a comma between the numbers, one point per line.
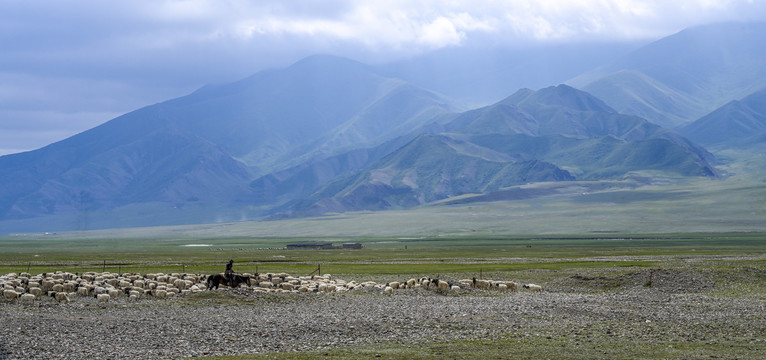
x=323, y=246
x=312, y=246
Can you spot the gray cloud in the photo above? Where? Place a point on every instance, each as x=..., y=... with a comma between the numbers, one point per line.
x=68, y=65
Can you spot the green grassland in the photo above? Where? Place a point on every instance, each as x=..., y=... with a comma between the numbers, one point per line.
x=458, y=254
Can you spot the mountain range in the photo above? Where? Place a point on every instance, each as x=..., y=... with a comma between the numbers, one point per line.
x=329, y=134
x=680, y=78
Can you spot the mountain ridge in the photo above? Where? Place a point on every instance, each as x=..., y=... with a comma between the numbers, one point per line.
x=683, y=76
x=328, y=134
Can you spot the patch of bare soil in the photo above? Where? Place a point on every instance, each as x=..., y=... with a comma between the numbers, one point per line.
x=665, y=280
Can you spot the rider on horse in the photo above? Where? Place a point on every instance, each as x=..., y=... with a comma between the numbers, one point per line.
x=229, y=272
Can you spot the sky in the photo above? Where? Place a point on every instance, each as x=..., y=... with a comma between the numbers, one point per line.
x=67, y=66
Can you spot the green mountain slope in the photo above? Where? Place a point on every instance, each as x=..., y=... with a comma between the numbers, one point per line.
x=554, y=134
x=430, y=168
x=732, y=123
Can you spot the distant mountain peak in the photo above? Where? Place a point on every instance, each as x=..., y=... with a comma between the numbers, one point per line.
x=560, y=95
x=677, y=79
x=731, y=123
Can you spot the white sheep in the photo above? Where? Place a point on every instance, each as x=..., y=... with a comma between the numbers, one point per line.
x=10, y=294
x=533, y=287
x=455, y=289
x=61, y=297
x=27, y=298
x=103, y=298
x=481, y=284
x=388, y=290
x=287, y=286
x=441, y=285
x=180, y=284
x=70, y=286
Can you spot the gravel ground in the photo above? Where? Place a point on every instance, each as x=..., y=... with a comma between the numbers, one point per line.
x=239, y=321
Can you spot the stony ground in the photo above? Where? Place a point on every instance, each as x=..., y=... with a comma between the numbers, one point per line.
x=679, y=308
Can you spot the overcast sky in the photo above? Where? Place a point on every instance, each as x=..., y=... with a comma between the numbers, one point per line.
x=66, y=66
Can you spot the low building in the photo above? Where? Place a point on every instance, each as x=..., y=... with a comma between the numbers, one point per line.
x=311, y=246
x=352, y=245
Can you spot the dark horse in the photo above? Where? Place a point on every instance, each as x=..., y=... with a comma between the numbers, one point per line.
x=219, y=279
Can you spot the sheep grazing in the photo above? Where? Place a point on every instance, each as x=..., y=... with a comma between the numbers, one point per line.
x=103, y=298
x=10, y=294
x=481, y=284
x=533, y=287
x=388, y=290
x=454, y=289
x=160, y=294
x=61, y=297
x=442, y=285
x=27, y=298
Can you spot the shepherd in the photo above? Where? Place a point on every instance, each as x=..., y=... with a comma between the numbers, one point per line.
x=228, y=273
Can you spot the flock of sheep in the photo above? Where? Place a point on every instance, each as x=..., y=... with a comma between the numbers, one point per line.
x=65, y=287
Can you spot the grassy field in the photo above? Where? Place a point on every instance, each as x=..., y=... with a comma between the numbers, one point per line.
x=380, y=255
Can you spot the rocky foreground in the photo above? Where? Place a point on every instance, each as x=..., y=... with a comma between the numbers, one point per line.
x=685, y=312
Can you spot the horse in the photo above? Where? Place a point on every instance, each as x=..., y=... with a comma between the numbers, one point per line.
x=237, y=280
x=213, y=281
